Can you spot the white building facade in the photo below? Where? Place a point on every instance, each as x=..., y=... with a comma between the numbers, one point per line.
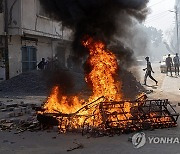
x=31, y=35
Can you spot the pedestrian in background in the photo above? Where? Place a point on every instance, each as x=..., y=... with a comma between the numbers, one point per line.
x=176, y=64
x=42, y=64
x=148, y=70
x=169, y=64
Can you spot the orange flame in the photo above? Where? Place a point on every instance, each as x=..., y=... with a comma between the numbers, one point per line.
x=104, y=68
x=57, y=103
x=102, y=75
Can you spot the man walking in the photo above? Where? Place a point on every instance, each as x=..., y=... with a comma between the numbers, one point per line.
x=148, y=71
x=169, y=63
x=176, y=64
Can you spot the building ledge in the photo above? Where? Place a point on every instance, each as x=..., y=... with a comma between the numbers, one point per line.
x=40, y=33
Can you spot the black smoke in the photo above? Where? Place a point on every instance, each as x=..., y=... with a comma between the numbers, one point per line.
x=100, y=19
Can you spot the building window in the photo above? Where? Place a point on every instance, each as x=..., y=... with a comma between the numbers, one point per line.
x=41, y=11
x=29, y=59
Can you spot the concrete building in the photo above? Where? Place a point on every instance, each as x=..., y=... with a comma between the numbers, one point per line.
x=27, y=35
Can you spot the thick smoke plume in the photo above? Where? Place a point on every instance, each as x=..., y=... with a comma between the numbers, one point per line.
x=101, y=19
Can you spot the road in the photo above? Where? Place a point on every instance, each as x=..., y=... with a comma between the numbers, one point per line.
x=45, y=142
x=168, y=87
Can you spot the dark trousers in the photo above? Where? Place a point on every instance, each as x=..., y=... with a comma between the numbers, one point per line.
x=169, y=69
x=148, y=73
x=176, y=66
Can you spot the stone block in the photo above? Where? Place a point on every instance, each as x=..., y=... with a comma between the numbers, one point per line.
x=3, y=110
x=10, y=115
x=10, y=108
x=17, y=111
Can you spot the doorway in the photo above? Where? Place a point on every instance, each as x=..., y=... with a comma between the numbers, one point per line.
x=29, y=58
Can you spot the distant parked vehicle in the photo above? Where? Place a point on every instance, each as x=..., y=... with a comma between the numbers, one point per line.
x=163, y=66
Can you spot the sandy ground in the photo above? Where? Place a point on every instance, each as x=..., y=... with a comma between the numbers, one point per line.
x=45, y=142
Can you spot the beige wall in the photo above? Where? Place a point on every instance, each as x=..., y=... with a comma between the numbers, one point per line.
x=33, y=23
x=25, y=19
x=44, y=50
x=15, y=66
x=14, y=17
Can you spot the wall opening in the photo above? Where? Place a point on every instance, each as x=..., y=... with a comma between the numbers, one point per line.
x=29, y=58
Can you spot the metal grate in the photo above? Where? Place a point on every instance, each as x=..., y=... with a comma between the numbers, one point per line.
x=118, y=117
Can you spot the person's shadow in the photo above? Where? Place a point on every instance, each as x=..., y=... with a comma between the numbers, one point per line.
x=174, y=76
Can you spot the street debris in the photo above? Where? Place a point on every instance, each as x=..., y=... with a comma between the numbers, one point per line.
x=20, y=117
x=78, y=146
x=149, y=91
x=23, y=117
x=107, y=118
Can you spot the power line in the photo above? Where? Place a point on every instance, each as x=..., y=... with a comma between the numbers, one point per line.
x=157, y=3
x=159, y=18
x=157, y=15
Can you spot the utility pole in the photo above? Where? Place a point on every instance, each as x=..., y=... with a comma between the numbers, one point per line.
x=177, y=28
x=6, y=51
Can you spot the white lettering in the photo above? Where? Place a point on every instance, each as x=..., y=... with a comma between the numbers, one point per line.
x=150, y=139
x=156, y=140
x=176, y=140
x=169, y=139
x=163, y=140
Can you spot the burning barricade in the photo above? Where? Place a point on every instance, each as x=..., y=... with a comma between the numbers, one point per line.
x=105, y=112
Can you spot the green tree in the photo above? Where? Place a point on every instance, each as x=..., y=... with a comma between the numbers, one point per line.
x=155, y=36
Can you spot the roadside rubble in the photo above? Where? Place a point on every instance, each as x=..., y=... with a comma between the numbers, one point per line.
x=34, y=83
x=18, y=116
